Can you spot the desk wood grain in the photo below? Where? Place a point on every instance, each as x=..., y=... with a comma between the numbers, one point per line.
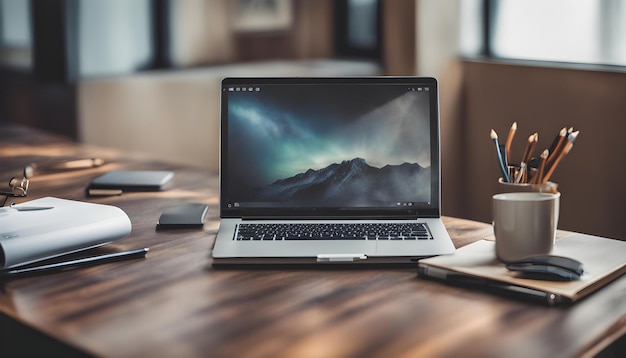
x=174, y=304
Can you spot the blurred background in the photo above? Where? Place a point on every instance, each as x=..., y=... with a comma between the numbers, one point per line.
x=143, y=75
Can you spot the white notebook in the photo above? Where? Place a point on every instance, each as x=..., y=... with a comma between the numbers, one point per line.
x=49, y=227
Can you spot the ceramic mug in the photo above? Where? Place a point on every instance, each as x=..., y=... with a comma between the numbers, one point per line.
x=524, y=224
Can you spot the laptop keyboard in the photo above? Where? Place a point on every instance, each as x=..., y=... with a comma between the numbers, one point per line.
x=356, y=231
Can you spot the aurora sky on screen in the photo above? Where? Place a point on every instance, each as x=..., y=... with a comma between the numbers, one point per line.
x=276, y=133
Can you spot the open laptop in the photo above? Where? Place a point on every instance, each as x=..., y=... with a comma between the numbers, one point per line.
x=354, y=162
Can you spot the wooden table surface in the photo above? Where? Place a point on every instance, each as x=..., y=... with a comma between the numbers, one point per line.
x=174, y=304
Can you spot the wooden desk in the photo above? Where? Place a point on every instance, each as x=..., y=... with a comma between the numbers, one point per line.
x=173, y=304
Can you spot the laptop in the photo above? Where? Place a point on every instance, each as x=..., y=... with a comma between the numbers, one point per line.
x=329, y=170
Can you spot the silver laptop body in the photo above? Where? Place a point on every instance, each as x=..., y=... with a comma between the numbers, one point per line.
x=329, y=152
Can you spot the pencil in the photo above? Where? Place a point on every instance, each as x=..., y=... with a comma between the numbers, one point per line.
x=509, y=139
x=521, y=173
x=557, y=144
x=558, y=139
x=503, y=169
x=530, y=147
x=537, y=179
x=505, y=159
x=566, y=148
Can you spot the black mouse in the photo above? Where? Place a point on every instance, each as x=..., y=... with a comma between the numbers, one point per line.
x=548, y=267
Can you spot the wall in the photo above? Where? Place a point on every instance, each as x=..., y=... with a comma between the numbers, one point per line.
x=544, y=100
x=175, y=115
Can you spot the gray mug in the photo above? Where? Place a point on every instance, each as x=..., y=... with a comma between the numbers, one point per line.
x=524, y=224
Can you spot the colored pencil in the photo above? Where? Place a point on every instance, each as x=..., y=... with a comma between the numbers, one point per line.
x=530, y=147
x=537, y=179
x=509, y=139
x=559, y=156
x=503, y=169
x=557, y=144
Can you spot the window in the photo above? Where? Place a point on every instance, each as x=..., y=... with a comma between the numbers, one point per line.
x=114, y=36
x=357, y=28
x=60, y=39
x=580, y=31
x=14, y=22
x=15, y=33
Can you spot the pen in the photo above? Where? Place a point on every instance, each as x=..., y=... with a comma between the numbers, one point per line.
x=506, y=289
x=33, y=168
x=88, y=261
x=503, y=169
x=30, y=208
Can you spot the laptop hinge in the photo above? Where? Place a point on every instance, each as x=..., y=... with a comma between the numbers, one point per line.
x=283, y=218
x=341, y=257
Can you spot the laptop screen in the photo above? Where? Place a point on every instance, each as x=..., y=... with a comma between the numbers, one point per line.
x=329, y=147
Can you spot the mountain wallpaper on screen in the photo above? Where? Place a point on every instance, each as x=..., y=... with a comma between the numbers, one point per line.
x=351, y=183
x=335, y=146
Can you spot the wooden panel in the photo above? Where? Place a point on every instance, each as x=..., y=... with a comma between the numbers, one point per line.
x=399, y=37
x=310, y=35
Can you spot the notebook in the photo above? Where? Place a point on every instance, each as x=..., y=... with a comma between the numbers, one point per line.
x=475, y=265
x=329, y=170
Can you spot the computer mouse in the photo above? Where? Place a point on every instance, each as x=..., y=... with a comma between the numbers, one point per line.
x=548, y=267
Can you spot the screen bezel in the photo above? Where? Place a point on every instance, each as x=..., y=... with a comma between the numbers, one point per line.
x=426, y=210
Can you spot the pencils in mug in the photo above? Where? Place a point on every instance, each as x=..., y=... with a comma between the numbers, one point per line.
x=531, y=169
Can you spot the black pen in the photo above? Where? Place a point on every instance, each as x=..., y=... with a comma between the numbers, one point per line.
x=510, y=290
x=502, y=288
x=87, y=261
